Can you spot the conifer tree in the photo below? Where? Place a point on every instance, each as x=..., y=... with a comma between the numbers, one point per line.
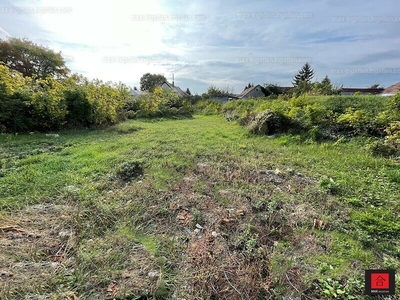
x=304, y=75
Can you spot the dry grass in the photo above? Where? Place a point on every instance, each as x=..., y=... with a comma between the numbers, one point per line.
x=37, y=246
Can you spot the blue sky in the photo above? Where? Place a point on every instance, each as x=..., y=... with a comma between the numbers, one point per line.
x=224, y=43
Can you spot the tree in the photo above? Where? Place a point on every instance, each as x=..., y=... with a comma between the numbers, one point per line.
x=32, y=59
x=304, y=75
x=272, y=89
x=325, y=87
x=188, y=92
x=149, y=81
x=375, y=86
x=214, y=91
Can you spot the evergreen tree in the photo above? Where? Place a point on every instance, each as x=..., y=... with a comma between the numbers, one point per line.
x=188, y=92
x=304, y=75
x=326, y=81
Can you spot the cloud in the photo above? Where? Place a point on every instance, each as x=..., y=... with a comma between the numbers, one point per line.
x=214, y=42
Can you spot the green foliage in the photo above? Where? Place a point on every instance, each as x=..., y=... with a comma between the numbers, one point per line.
x=272, y=89
x=160, y=103
x=328, y=185
x=31, y=59
x=148, y=82
x=319, y=118
x=78, y=107
x=378, y=223
x=106, y=102
x=341, y=289
x=325, y=87
x=215, y=91
x=122, y=229
x=130, y=170
x=392, y=138
x=49, y=104
x=208, y=107
x=304, y=75
x=358, y=121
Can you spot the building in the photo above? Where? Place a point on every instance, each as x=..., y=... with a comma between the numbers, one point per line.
x=391, y=90
x=137, y=93
x=172, y=87
x=252, y=92
x=363, y=91
x=223, y=97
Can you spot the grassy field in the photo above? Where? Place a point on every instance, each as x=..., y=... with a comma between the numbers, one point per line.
x=192, y=208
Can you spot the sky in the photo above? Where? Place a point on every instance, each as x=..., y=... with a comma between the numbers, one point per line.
x=213, y=42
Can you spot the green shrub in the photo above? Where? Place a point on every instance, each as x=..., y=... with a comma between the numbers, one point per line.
x=380, y=148
x=49, y=104
x=393, y=135
x=208, y=107
x=328, y=185
x=130, y=170
x=78, y=107
x=377, y=223
x=160, y=103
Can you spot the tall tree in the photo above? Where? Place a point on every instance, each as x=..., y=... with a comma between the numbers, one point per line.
x=31, y=59
x=188, y=92
x=304, y=75
x=149, y=81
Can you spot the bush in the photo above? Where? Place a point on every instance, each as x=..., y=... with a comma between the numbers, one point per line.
x=130, y=170
x=269, y=122
x=78, y=107
x=48, y=104
x=380, y=148
x=160, y=103
x=393, y=135
x=208, y=107
x=28, y=104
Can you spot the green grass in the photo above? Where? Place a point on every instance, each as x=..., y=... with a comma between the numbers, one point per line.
x=79, y=169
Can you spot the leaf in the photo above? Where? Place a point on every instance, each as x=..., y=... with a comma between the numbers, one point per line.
x=328, y=292
x=112, y=290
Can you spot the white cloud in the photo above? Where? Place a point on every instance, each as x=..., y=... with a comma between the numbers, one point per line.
x=202, y=42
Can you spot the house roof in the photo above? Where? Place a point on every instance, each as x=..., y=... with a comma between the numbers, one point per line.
x=347, y=90
x=138, y=93
x=177, y=89
x=248, y=90
x=391, y=90
x=363, y=90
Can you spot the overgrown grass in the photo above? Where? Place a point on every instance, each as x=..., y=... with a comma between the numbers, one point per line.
x=136, y=230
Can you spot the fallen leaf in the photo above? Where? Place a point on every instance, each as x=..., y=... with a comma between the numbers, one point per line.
x=226, y=220
x=184, y=217
x=240, y=212
x=72, y=296
x=112, y=290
